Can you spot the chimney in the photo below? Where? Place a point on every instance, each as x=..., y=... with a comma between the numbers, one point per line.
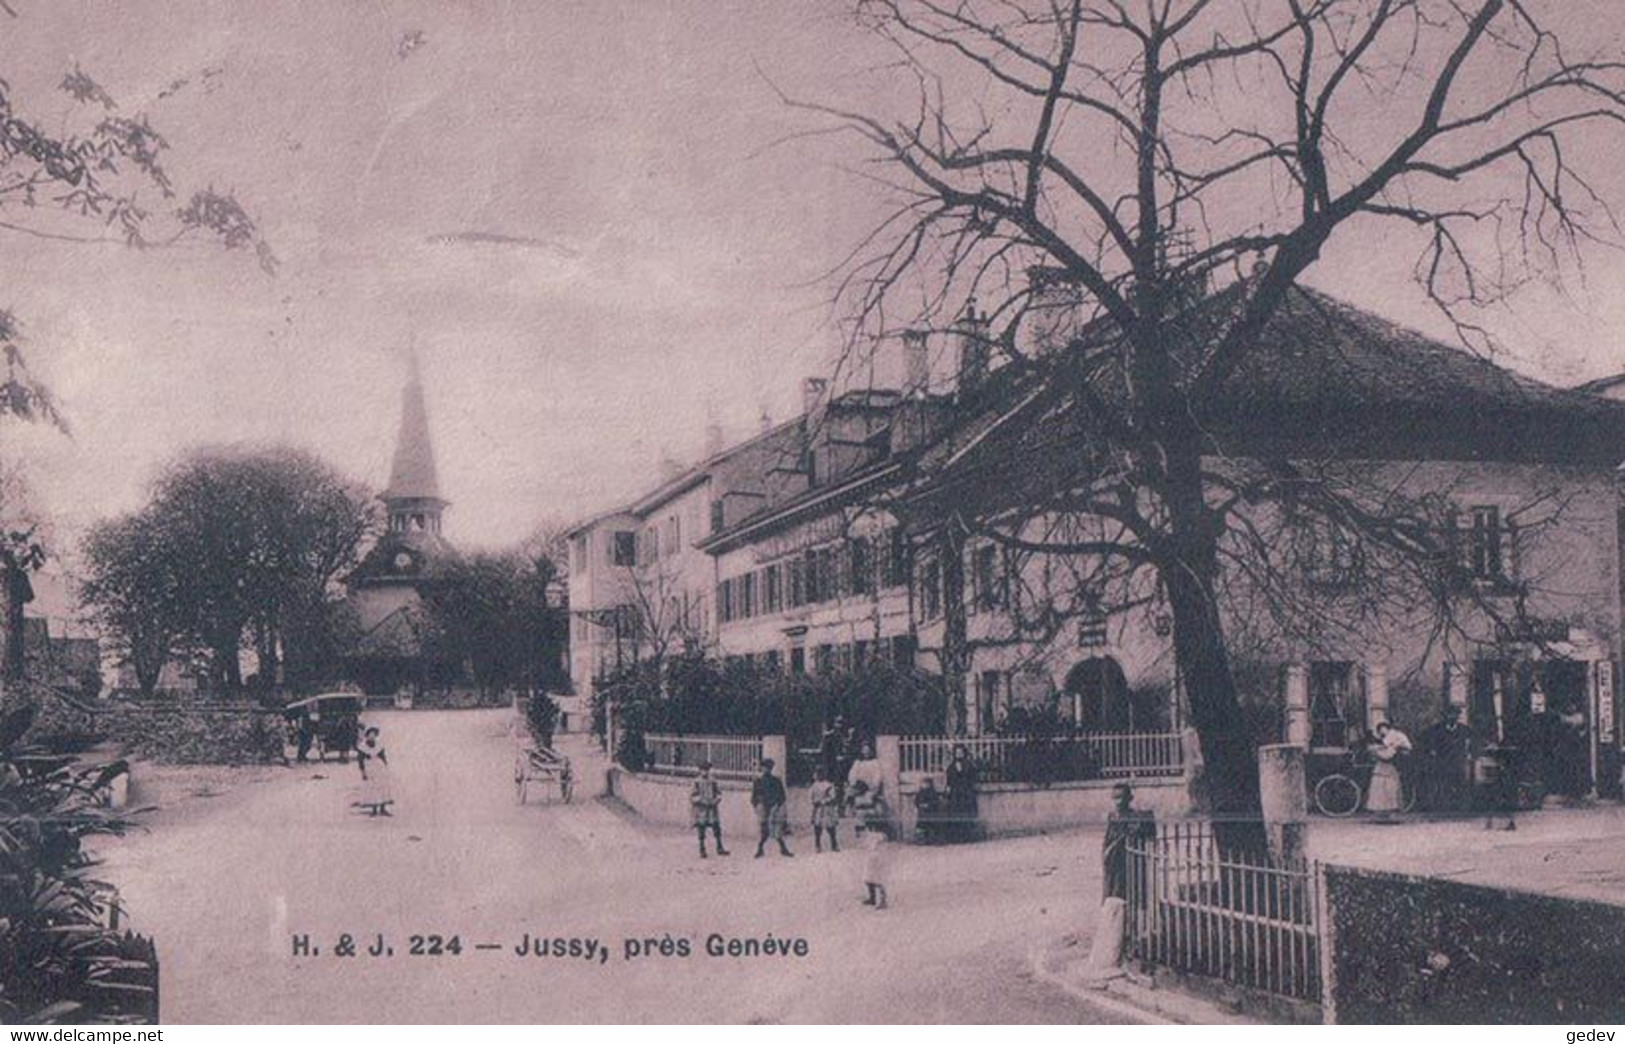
x=972, y=336
x=1052, y=310
x=916, y=365
x=814, y=390
x=670, y=467
x=713, y=438
x=765, y=421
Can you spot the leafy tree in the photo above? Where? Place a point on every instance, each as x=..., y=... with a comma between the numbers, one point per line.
x=1147, y=184
x=238, y=549
x=133, y=589
x=492, y=612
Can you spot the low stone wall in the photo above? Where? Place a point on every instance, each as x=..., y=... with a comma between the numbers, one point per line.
x=1405, y=949
x=197, y=734
x=1005, y=809
x=1008, y=809
x=664, y=799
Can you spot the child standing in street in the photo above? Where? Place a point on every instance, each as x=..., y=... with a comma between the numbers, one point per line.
x=826, y=812
x=877, y=863
x=704, y=803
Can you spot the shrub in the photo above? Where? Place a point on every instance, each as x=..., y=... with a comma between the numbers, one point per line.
x=59, y=959
x=700, y=696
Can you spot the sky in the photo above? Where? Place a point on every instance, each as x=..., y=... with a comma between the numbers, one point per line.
x=583, y=217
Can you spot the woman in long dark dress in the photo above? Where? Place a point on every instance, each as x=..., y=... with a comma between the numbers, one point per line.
x=961, y=804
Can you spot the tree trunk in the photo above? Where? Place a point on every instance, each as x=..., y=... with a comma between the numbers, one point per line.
x=1228, y=753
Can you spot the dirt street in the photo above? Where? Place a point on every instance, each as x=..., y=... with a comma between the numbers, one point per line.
x=227, y=883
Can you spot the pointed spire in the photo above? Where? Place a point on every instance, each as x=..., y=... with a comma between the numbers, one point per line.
x=412, y=474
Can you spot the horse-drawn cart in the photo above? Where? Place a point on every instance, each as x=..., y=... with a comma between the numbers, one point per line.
x=544, y=766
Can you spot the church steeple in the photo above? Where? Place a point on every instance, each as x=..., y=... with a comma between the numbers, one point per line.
x=413, y=494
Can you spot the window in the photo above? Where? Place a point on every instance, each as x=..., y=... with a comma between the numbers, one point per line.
x=1329, y=553
x=861, y=565
x=930, y=582
x=771, y=589
x=824, y=659
x=623, y=549
x=1336, y=706
x=798, y=660
x=902, y=651
x=719, y=516
x=626, y=622
x=988, y=573
x=748, y=598
x=1486, y=545
x=1092, y=630
x=725, y=601
x=895, y=568
x=671, y=536
x=989, y=705
x=812, y=565
x=797, y=584
x=773, y=661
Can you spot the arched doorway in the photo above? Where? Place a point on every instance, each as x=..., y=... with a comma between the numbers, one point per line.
x=1100, y=696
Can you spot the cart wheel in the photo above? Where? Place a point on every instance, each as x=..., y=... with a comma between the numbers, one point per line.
x=1337, y=796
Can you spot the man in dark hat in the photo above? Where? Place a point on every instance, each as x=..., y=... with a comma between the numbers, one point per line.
x=705, y=804
x=1125, y=824
x=768, y=798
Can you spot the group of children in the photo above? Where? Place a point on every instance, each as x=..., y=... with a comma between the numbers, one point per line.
x=861, y=797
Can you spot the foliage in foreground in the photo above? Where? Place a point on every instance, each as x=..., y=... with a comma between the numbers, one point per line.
x=59, y=959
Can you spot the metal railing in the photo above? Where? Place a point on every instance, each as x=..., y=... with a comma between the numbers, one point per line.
x=730, y=756
x=1093, y=755
x=1223, y=915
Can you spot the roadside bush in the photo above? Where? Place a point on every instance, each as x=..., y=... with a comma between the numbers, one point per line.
x=60, y=961
x=700, y=696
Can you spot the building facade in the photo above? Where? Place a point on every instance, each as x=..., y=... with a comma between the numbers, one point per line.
x=822, y=546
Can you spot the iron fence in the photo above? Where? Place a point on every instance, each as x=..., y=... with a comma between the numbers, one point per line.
x=1226, y=915
x=730, y=756
x=1015, y=759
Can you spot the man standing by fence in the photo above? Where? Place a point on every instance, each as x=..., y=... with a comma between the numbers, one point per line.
x=1124, y=825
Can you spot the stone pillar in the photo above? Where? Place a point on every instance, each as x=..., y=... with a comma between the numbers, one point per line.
x=1297, y=705
x=889, y=752
x=1284, y=799
x=777, y=748
x=1376, y=694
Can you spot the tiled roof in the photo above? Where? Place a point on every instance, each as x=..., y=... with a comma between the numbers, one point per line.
x=1325, y=378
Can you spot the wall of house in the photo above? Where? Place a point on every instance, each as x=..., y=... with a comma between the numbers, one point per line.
x=835, y=623
x=1571, y=565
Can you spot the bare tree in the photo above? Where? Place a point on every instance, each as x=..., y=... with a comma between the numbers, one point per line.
x=1170, y=170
